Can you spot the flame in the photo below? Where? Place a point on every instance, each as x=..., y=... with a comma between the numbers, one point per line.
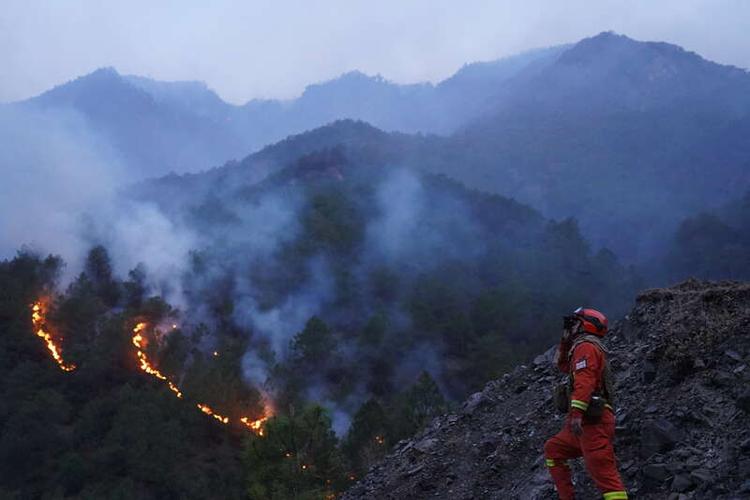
x=38, y=312
x=254, y=425
x=208, y=411
x=140, y=343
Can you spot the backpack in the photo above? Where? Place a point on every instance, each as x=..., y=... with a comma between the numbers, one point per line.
x=600, y=398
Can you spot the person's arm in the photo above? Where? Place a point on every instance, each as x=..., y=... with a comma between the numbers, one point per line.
x=586, y=365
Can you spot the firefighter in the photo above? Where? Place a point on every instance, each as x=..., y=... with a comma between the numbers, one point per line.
x=589, y=428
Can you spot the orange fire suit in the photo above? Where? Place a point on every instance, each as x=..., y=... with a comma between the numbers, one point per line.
x=595, y=443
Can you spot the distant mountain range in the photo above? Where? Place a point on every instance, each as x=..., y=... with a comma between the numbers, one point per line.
x=629, y=137
x=184, y=126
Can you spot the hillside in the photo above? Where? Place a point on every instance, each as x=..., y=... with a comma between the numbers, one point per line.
x=683, y=413
x=713, y=244
x=349, y=235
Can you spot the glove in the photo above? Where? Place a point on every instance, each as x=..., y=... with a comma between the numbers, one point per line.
x=576, y=423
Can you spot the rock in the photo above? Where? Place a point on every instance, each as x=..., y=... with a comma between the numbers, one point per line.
x=681, y=483
x=649, y=372
x=427, y=485
x=540, y=361
x=656, y=472
x=743, y=468
x=743, y=400
x=520, y=388
x=723, y=378
x=733, y=355
x=658, y=436
x=651, y=409
x=476, y=400
x=412, y=471
x=426, y=445
x=675, y=468
x=702, y=476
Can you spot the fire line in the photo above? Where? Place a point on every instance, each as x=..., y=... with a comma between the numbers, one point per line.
x=145, y=365
x=38, y=314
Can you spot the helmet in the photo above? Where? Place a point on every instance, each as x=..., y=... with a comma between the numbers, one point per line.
x=592, y=321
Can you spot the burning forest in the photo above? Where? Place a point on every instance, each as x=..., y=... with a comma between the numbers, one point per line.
x=38, y=318
x=147, y=366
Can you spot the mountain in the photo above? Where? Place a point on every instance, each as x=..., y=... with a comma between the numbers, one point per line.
x=153, y=131
x=618, y=133
x=195, y=96
x=628, y=137
x=158, y=127
x=683, y=413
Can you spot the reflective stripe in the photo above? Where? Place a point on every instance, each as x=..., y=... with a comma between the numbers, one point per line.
x=616, y=495
x=579, y=404
x=549, y=462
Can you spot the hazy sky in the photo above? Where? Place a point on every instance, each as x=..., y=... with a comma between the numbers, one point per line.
x=247, y=49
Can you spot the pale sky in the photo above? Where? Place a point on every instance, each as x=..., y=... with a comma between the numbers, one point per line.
x=272, y=49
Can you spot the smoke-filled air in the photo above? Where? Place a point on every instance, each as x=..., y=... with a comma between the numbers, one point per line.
x=259, y=273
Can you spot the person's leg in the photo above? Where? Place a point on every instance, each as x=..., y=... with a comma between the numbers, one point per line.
x=558, y=449
x=597, y=445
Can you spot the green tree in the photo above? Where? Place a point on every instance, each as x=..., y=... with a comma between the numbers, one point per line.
x=367, y=439
x=99, y=270
x=415, y=407
x=296, y=459
x=374, y=331
x=315, y=343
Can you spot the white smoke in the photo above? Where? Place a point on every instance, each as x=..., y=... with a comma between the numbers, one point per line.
x=54, y=169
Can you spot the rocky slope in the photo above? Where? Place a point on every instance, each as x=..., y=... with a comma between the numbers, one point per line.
x=683, y=413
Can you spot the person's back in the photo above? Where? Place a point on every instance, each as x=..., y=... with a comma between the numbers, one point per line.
x=590, y=425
